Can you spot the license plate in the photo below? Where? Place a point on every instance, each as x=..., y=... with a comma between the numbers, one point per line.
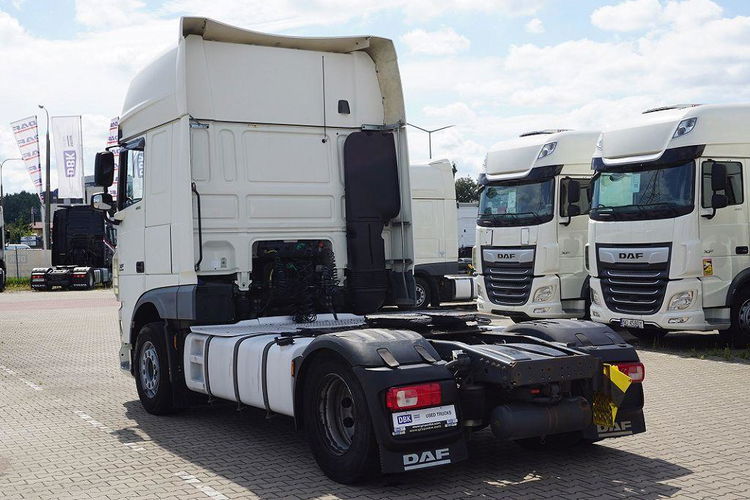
x=631, y=323
x=424, y=419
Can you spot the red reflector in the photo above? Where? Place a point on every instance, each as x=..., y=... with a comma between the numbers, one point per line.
x=636, y=371
x=413, y=396
x=535, y=391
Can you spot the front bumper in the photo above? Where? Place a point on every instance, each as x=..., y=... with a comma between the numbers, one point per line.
x=551, y=308
x=692, y=318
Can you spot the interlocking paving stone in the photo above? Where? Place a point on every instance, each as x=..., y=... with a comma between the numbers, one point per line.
x=71, y=426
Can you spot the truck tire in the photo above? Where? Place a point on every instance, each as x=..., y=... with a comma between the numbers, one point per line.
x=738, y=335
x=89, y=280
x=423, y=293
x=338, y=422
x=152, y=370
x=2, y=279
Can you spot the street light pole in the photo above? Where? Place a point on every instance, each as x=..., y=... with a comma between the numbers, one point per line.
x=429, y=134
x=47, y=194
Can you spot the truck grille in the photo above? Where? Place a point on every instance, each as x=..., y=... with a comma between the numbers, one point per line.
x=636, y=288
x=509, y=283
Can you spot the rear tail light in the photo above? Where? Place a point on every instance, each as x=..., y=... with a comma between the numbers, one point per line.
x=636, y=371
x=413, y=396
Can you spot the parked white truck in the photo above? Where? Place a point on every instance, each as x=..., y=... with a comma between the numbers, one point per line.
x=669, y=231
x=435, y=213
x=532, y=226
x=263, y=199
x=3, y=267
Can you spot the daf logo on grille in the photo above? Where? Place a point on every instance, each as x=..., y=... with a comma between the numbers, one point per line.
x=631, y=255
x=506, y=256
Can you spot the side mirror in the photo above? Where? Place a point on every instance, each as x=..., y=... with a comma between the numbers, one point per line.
x=574, y=210
x=102, y=202
x=719, y=201
x=104, y=169
x=718, y=177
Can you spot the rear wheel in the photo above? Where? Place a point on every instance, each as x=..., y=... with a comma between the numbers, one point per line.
x=89, y=280
x=152, y=370
x=2, y=279
x=338, y=422
x=738, y=334
x=424, y=293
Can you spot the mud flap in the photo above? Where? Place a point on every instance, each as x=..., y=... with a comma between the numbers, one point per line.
x=422, y=458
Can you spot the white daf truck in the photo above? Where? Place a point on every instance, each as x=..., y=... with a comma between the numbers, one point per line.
x=435, y=212
x=532, y=226
x=3, y=266
x=669, y=232
x=264, y=215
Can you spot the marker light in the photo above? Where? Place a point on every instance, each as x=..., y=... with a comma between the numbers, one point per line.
x=600, y=142
x=547, y=150
x=685, y=127
x=413, y=396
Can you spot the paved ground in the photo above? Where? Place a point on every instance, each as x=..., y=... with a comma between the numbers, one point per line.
x=71, y=427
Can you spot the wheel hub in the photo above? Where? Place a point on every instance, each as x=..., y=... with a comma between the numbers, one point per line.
x=336, y=412
x=149, y=369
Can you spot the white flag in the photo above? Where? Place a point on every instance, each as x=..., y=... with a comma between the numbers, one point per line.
x=112, y=141
x=27, y=138
x=66, y=134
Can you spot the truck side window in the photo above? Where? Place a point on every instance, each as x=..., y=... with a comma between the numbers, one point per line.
x=734, y=183
x=584, y=201
x=134, y=187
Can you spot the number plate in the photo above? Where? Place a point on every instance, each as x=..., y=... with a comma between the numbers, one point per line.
x=424, y=419
x=631, y=323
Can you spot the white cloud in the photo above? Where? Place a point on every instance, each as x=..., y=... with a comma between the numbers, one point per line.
x=630, y=15
x=444, y=41
x=635, y=15
x=534, y=26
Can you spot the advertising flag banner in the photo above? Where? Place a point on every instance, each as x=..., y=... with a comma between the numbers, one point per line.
x=27, y=138
x=68, y=140
x=112, y=141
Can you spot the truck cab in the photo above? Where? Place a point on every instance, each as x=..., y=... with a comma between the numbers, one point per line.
x=3, y=266
x=532, y=225
x=436, y=235
x=668, y=236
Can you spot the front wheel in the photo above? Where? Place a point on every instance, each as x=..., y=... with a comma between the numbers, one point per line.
x=338, y=423
x=424, y=293
x=739, y=333
x=152, y=370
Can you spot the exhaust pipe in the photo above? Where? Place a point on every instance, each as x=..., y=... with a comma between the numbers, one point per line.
x=525, y=420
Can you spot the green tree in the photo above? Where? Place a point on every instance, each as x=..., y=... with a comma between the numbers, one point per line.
x=467, y=190
x=16, y=229
x=18, y=206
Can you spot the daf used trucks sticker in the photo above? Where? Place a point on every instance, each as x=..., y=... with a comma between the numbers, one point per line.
x=424, y=419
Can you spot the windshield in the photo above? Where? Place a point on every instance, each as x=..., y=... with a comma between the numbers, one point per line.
x=516, y=204
x=657, y=193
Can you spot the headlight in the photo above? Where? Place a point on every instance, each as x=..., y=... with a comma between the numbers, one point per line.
x=594, y=297
x=685, y=127
x=543, y=294
x=547, y=150
x=681, y=300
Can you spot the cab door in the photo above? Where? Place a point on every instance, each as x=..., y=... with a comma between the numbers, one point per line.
x=131, y=226
x=723, y=232
x=572, y=233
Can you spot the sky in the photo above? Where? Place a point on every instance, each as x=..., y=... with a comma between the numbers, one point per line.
x=492, y=68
